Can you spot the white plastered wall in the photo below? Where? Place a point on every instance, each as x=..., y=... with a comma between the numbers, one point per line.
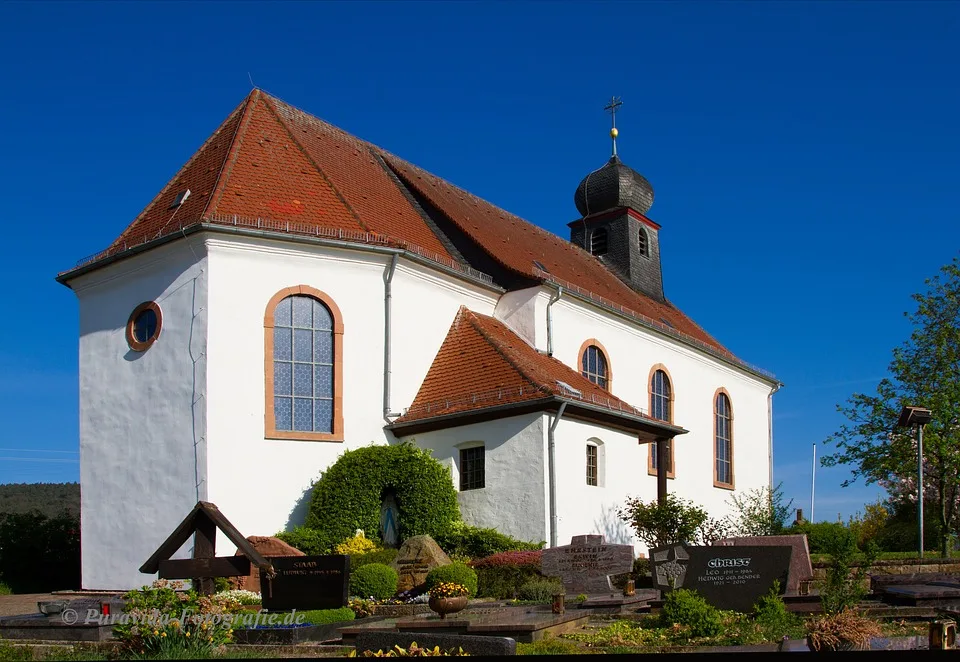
x=262, y=485
x=142, y=464
x=695, y=378
x=513, y=499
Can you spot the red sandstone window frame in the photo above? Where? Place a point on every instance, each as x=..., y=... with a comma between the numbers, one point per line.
x=587, y=344
x=270, y=425
x=716, y=414
x=137, y=345
x=672, y=473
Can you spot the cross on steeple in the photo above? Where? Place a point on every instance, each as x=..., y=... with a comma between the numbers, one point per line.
x=612, y=108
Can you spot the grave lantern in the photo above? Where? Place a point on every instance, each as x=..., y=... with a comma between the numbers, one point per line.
x=943, y=635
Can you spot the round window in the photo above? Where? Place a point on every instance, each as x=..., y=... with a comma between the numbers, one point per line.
x=143, y=327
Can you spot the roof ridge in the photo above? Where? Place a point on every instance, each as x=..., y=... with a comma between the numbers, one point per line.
x=232, y=153
x=241, y=107
x=269, y=102
x=472, y=319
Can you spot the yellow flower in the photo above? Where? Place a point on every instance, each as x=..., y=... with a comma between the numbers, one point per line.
x=156, y=632
x=187, y=634
x=209, y=638
x=163, y=634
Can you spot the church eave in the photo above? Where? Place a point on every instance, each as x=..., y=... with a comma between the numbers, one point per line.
x=647, y=429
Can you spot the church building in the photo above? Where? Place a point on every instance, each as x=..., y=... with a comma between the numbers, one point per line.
x=295, y=292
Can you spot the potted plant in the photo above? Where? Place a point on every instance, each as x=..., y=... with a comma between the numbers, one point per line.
x=448, y=598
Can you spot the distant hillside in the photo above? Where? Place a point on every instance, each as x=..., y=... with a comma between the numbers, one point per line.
x=49, y=498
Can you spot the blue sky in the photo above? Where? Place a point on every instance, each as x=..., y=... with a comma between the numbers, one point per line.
x=795, y=148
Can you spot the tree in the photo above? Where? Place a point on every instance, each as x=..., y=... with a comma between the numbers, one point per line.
x=760, y=512
x=674, y=521
x=924, y=372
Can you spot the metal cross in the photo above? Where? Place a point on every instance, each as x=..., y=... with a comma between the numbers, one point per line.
x=612, y=108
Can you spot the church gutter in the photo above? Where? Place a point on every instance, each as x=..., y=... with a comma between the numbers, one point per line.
x=552, y=469
x=387, y=317
x=553, y=300
x=202, y=226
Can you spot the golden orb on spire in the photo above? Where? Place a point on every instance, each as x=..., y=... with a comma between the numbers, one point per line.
x=614, y=133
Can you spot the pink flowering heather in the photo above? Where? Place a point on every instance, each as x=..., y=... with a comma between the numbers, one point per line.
x=516, y=559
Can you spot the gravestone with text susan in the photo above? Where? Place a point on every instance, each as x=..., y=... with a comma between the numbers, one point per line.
x=306, y=582
x=728, y=577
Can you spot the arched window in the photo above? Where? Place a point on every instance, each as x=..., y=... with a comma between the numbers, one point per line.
x=642, y=241
x=593, y=364
x=661, y=408
x=595, y=462
x=723, y=440
x=304, y=366
x=598, y=241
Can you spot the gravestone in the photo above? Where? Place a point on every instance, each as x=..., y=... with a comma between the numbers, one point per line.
x=727, y=576
x=585, y=565
x=306, y=582
x=800, y=567
x=417, y=556
x=269, y=547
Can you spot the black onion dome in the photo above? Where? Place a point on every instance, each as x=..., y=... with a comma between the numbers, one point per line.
x=614, y=185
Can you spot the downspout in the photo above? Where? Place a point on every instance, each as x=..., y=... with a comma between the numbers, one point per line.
x=387, y=307
x=776, y=388
x=552, y=478
x=553, y=300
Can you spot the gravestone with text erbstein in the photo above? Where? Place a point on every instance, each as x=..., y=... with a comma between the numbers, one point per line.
x=585, y=565
x=306, y=582
x=728, y=577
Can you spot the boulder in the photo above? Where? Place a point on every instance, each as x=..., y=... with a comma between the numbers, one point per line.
x=267, y=546
x=417, y=556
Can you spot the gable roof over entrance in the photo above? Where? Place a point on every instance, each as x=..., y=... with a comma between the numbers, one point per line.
x=484, y=371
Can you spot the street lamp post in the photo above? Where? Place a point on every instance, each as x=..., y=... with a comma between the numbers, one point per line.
x=917, y=416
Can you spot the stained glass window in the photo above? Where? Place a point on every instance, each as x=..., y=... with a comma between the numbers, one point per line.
x=303, y=365
x=724, y=440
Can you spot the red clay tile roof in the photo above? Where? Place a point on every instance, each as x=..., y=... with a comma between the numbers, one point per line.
x=271, y=161
x=483, y=364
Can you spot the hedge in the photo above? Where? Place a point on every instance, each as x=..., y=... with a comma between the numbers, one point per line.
x=349, y=494
x=39, y=554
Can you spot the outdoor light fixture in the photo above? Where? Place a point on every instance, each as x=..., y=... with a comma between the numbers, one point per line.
x=918, y=416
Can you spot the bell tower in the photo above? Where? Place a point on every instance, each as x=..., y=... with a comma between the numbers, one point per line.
x=613, y=201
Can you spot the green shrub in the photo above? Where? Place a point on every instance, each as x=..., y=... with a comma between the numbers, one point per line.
x=772, y=616
x=349, y=494
x=459, y=538
x=309, y=541
x=374, y=580
x=501, y=582
x=5, y=590
x=458, y=573
x=820, y=535
x=39, y=554
x=685, y=607
x=676, y=520
x=384, y=556
x=539, y=590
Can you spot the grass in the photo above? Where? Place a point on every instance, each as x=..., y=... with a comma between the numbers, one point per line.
x=550, y=646
x=315, y=616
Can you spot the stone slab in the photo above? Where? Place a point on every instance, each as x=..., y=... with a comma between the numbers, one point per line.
x=256, y=636
x=728, y=577
x=417, y=557
x=585, y=565
x=474, y=645
x=800, y=566
x=641, y=597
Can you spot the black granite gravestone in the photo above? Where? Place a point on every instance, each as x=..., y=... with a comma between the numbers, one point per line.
x=728, y=577
x=306, y=582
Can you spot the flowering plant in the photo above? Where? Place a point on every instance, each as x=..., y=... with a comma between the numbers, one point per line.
x=518, y=559
x=238, y=595
x=358, y=544
x=448, y=590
